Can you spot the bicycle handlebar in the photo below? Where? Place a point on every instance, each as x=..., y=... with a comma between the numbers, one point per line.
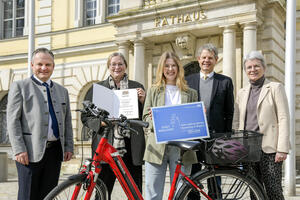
x=95, y=112
x=139, y=123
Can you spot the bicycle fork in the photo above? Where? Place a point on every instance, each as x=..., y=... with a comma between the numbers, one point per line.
x=89, y=186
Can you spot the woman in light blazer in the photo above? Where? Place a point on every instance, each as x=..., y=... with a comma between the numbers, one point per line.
x=170, y=89
x=262, y=106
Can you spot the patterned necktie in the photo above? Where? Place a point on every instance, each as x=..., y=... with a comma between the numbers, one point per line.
x=52, y=113
x=205, y=77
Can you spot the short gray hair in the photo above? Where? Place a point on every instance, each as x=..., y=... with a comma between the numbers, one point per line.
x=42, y=50
x=255, y=55
x=209, y=47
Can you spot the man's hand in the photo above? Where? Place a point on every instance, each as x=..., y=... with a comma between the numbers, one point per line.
x=22, y=158
x=68, y=156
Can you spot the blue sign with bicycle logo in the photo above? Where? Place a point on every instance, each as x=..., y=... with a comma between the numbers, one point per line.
x=180, y=122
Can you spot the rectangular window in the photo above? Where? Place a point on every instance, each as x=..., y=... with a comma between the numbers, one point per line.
x=113, y=7
x=12, y=19
x=90, y=12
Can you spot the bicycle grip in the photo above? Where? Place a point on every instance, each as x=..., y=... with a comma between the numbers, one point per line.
x=139, y=123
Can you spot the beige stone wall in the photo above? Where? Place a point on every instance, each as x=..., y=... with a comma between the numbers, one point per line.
x=81, y=52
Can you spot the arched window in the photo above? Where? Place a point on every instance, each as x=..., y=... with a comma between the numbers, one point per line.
x=3, y=124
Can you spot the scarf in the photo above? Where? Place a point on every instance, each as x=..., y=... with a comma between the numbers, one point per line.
x=118, y=138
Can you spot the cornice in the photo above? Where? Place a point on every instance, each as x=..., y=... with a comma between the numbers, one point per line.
x=170, y=7
x=53, y=33
x=69, y=50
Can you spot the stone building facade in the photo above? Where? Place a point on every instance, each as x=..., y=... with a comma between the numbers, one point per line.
x=142, y=30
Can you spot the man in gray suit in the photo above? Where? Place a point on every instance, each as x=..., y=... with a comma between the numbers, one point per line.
x=39, y=127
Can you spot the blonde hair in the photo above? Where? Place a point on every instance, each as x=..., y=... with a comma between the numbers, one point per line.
x=161, y=79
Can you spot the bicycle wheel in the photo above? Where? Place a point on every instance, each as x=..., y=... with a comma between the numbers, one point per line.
x=234, y=185
x=64, y=191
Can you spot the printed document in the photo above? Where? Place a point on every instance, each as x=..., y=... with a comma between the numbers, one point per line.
x=116, y=102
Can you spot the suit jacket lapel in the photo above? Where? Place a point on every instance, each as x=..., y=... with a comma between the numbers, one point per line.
x=264, y=90
x=215, y=87
x=198, y=86
x=243, y=101
x=161, y=97
x=130, y=85
x=184, y=97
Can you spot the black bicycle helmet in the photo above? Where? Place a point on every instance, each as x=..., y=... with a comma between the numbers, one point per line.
x=231, y=149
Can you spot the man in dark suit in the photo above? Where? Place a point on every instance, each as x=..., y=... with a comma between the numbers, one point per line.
x=216, y=91
x=39, y=128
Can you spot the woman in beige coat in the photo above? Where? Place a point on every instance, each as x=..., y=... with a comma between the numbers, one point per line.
x=262, y=106
x=170, y=89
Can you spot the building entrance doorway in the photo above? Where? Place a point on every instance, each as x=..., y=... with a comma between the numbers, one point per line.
x=191, y=68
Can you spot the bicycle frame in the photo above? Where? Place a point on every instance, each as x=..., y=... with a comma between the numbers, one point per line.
x=104, y=153
x=107, y=153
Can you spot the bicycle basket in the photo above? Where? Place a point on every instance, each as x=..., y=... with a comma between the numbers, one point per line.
x=232, y=148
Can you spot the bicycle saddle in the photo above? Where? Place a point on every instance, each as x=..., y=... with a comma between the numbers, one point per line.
x=185, y=145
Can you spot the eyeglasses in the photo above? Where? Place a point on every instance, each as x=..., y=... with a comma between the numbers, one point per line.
x=117, y=64
x=168, y=66
x=255, y=67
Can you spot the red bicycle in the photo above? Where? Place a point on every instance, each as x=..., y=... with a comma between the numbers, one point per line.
x=236, y=183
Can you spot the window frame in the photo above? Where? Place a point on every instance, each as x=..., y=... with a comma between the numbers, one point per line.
x=113, y=5
x=79, y=20
x=85, y=10
x=13, y=19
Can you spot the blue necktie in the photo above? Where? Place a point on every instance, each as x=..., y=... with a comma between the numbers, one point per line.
x=52, y=113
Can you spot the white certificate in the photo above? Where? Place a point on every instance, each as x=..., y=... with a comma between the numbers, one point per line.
x=116, y=102
x=128, y=103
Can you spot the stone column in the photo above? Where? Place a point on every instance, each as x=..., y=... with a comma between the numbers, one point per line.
x=229, y=48
x=139, y=62
x=250, y=42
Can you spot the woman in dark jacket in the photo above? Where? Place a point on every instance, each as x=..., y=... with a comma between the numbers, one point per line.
x=135, y=145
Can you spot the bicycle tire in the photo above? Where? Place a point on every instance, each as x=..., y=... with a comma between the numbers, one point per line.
x=234, y=186
x=64, y=190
